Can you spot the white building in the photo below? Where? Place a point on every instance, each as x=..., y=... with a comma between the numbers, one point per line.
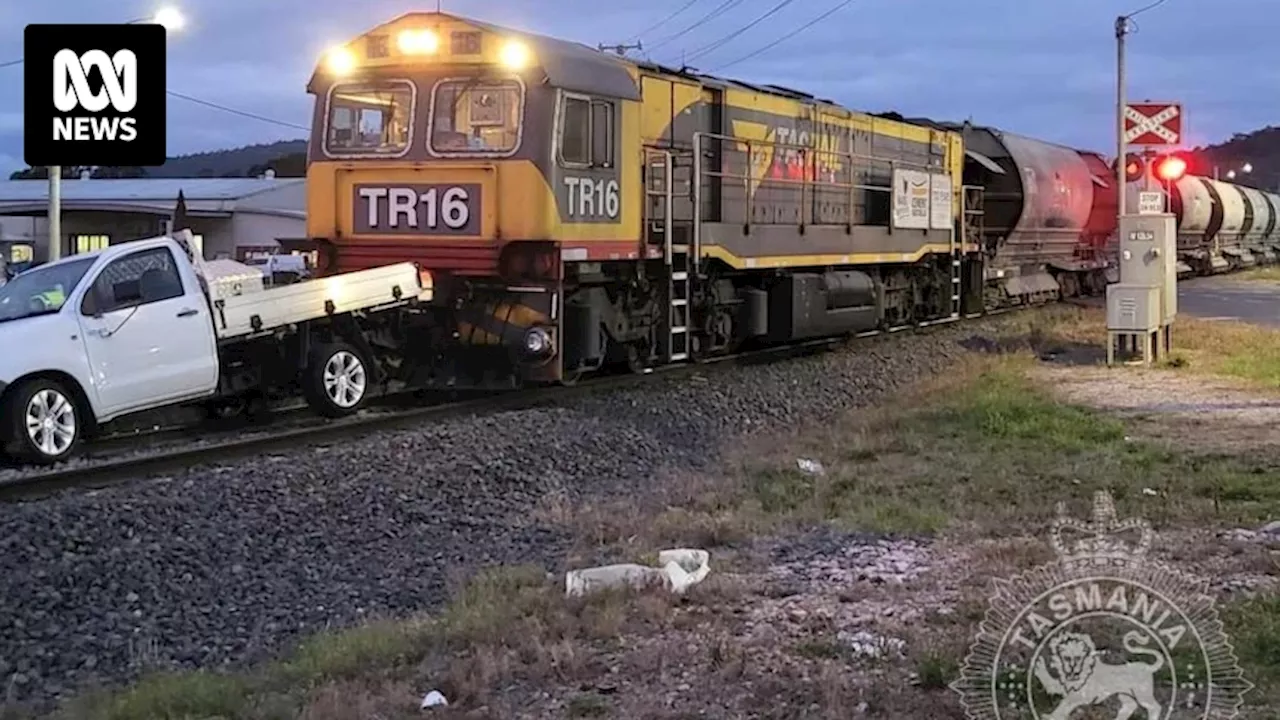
x=237, y=217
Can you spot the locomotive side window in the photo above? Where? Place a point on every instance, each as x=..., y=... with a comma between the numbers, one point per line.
x=374, y=119
x=575, y=132
x=602, y=134
x=586, y=133
x=473, y=118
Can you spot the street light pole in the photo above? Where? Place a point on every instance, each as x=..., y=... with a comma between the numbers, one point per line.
x=1122, y=27
x=55, y=213
x=172, y=20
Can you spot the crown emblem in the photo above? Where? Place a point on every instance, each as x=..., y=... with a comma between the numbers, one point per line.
x=1101, y=540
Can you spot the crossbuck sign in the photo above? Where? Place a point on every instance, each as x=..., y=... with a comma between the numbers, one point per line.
x=1153, y=124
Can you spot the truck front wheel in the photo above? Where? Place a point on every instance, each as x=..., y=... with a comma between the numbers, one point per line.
x=336, y=381
x=44, y=423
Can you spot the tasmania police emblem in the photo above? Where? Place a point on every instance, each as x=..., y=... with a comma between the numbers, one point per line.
x=1105, y=630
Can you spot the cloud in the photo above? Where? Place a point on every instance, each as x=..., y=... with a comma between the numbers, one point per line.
x=11, y=123
x=9, y=164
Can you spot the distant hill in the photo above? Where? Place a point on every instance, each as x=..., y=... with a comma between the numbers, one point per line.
x=223, y=163
x=1260, y=149
x=287, y=158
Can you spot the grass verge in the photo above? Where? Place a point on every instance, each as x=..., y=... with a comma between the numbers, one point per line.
x=508, y=625
x=985, y=452
x=979, y=453
x=1269, y=273
x=1234, y=349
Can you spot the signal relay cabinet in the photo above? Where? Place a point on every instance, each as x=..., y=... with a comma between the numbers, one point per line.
x=1149, y=258
x=1142, y=306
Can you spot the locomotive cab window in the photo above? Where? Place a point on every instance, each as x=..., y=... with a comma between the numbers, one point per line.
x=470, y=117
x=372, y=119
x=586, y=132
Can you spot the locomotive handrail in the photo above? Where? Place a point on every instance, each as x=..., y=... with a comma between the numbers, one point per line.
x=695, y=240
x=792, y=146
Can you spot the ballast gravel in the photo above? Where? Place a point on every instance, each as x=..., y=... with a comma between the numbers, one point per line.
x=228, y=565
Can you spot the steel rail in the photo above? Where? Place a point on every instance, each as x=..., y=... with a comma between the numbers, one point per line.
x=89, y=474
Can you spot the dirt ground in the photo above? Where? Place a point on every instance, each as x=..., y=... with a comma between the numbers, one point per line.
x=851, y=564
x=830, y=620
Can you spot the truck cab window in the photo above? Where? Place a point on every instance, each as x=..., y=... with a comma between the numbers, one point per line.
x=586, y=133
x=370, y=119
x=144, y=277
x=470, y=117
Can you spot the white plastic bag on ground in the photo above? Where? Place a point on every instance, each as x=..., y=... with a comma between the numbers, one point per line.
x=434, y=699
x=678, y=570
x=810, y=467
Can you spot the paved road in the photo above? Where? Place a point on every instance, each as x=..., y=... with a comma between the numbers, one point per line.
x=1228, y=298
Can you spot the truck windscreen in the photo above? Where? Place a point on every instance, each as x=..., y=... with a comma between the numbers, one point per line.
x=41, y=291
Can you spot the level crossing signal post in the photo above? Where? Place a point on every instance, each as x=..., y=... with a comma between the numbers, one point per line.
x=1141, y=307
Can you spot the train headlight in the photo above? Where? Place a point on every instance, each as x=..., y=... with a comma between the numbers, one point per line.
x=340, y=61
x=418, y=42
x=537, y=341
x=514, y=55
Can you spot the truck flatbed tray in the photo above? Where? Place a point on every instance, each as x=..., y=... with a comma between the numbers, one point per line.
x=257, y=312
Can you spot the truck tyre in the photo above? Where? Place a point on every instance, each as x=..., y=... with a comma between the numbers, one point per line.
x=43, y=422
x=336, y=380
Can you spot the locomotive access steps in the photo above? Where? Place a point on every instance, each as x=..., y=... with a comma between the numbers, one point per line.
x=677, y=347
x=678, y=258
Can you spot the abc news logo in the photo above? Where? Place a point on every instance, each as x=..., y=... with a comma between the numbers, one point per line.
x=71, y=91
x=95, y=95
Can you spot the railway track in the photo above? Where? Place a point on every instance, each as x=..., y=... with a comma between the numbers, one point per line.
x=118, y=458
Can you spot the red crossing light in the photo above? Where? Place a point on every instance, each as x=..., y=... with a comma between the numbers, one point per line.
x=1170, y=168
x=1133, y=168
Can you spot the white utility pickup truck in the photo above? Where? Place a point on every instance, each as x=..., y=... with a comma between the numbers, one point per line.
x=149, y=324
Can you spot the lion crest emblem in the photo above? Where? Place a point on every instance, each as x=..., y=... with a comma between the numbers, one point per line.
x=1103, y=628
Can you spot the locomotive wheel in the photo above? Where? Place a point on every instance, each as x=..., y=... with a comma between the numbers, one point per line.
x=637, y=362
x=44, y=423
x=336, y=381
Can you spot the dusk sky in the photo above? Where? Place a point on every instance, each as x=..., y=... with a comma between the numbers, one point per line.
x=1043, y=68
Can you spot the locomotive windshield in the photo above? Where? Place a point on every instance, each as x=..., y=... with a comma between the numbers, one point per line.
x=369, y=119
x=473, y=117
